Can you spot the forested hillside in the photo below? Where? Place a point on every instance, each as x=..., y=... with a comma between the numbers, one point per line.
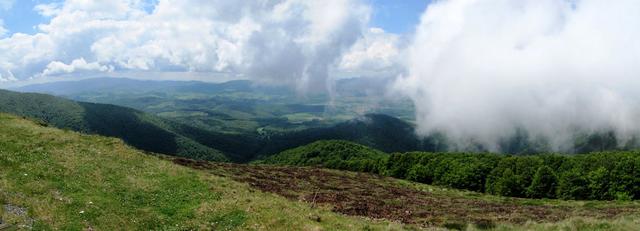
x=238, y=106
x=373, y=130
x=137, y=128
x=155, y=134
x=335, y=154
x=594, y=176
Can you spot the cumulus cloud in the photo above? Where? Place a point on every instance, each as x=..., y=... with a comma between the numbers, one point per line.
x=375, y=52
x=78, y=65
x=294, y=42
x=480, y=69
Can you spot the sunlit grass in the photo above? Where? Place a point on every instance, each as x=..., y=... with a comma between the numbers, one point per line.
x=68, y=181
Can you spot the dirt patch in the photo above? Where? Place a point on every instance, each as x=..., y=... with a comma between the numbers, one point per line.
x=361, y=194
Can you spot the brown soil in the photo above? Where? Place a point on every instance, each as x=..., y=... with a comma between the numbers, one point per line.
x=361, y=194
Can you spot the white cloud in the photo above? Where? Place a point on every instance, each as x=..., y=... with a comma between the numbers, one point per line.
x=295, y=42
x=478, y=69
x=377, y=51
x=78, y=65
x=48, y=10
x=6, y=76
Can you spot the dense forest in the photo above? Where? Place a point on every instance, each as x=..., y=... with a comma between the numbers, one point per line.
x=330, y=153
x=613, y=175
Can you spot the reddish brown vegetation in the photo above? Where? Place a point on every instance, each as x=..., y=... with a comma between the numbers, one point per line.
x=373, y=196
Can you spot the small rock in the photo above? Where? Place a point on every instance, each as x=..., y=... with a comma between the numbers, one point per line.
x=315, y=218
x=15, y=210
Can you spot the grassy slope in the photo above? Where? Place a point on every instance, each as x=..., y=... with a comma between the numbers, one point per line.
x=68, y=181
x=137, y=128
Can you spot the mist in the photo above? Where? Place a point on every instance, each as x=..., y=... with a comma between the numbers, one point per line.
x=480, y=71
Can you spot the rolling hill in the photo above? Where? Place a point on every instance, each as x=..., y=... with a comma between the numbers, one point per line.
x=137, y=128
x=335, y=154
x=52, y=179
x=378, y=131
x=155, y=134
x=267, y=119
x=238, y=106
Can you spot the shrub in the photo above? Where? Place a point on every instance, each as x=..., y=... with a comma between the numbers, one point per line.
x=509, y=184
x=572, y=186
x=598, y=183
x=420, y=173
x=544, y=183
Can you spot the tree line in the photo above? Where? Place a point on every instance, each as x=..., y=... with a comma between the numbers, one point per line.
x=611, y=175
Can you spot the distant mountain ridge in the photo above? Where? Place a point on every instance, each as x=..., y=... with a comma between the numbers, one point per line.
x=349, y=86
x=106, y=84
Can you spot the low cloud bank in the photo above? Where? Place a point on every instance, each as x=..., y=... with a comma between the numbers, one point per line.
x=484, y=71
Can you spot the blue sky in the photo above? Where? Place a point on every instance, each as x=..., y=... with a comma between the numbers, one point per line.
x=394, y=16
x=21, y=17
x=397, y=16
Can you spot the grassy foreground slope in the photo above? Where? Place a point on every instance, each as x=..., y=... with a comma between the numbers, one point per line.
x=61, y=180
x=141, y=130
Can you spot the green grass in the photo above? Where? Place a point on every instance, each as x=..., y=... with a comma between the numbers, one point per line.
x=68, y=181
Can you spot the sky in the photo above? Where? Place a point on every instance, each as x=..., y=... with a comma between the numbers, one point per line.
x=395, y=16
x=477, y=69
x=50, y=40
